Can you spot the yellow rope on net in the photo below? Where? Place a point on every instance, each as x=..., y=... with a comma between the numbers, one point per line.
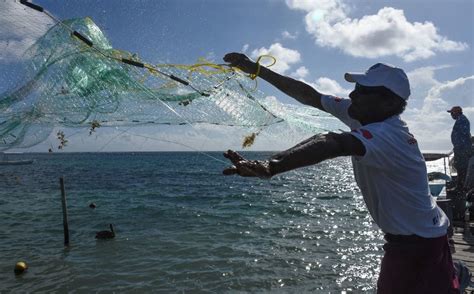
x=257, y=72
x=205, y=67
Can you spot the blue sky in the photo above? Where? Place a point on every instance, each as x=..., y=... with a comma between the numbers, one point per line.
x=316, y=41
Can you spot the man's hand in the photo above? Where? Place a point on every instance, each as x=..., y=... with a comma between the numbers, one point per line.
x=246, y=168
x=242, y=62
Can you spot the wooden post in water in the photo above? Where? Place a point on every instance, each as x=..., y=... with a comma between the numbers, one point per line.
x=65, y=223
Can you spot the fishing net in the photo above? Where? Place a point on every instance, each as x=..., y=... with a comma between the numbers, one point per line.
x=72, y=77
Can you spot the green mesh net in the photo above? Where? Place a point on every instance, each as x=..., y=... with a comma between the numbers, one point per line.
x=68, y=83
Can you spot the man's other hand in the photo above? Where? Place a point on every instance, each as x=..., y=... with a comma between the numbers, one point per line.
x=246, y=168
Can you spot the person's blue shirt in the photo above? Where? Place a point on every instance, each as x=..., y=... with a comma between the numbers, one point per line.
x=461, y=134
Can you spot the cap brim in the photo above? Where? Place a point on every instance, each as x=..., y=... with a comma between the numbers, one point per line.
x=353, y=77
x=356, y=78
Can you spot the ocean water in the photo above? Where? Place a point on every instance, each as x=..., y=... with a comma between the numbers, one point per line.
x=183, y=227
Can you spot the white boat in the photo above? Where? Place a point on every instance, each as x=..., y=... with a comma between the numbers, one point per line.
x=6, y=161
x=437, y=179
x=16, y=162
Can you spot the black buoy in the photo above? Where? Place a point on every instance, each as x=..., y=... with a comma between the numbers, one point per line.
x=92, y=205
x=106, y=234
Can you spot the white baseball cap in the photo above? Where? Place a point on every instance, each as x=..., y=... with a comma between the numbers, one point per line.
x=380, y=74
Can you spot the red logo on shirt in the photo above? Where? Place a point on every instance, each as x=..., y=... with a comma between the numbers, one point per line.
x=337, y=99
x=366, y=134
x=412, y=139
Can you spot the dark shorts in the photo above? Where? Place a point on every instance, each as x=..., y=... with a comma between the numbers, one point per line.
x=461, y=163
x=413, y=264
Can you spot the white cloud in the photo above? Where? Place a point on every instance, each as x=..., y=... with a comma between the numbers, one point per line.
x=421, y=81
x=429, y=120
x=331, y=87
x=20, y=27
x=450, y=93
x=321, y=7
x=245, y=48
x=288, y=35
x=383, y=34
x=300, y=73
x=284, y=57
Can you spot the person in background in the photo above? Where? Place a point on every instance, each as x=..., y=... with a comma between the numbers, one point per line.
x=388, y=167
x=461, y=140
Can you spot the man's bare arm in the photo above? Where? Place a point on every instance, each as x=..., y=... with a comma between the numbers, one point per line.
x=314, y=150
x=311, y=151
x=302, y=92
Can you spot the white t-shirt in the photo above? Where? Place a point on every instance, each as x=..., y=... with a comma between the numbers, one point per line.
x=392, y=175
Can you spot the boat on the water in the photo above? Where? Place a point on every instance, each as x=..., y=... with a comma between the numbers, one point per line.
x=16, y=162
x=437, y=180
x=6, y=161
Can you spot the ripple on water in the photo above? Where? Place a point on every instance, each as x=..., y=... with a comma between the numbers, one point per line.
x=183, y=228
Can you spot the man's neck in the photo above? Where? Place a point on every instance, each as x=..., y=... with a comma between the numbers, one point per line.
x=372, y=120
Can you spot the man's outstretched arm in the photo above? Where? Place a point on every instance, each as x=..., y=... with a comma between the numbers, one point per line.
x=302, y=92
x=311, y=151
